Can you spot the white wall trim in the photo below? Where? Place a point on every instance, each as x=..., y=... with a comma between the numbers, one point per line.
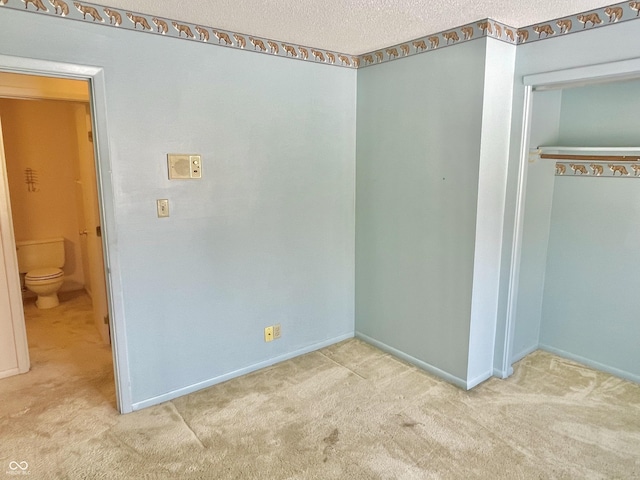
x=31, y=66
x=110, y=250
x=587, y=75
x=457, y=381
x=527, y=351
x=506, y=368
x=237, y=373
x=106, y=199
x=10, y=373
x=9, y=270
x=591, y=363
x=501, y=373
x=474, y=382
x=490, y=207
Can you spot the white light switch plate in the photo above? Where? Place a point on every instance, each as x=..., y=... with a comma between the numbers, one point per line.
x=163, y=207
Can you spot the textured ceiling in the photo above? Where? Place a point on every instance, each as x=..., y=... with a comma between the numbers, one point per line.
x=353, y=26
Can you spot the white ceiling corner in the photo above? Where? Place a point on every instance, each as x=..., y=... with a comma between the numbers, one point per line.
x=352, y=26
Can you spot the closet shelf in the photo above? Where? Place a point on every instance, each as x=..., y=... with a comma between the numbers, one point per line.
x=590, y=154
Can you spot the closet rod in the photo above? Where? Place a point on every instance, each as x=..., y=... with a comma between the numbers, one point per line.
x=597, y=158
x=543, y=148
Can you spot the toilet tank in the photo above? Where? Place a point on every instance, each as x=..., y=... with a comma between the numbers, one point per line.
x=34, y=254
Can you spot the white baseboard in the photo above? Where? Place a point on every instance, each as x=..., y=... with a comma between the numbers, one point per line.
x=237, y=373
x=502, y=373
x=458, y=382
x=591, y=363
x=474, y=382
x=10, y=373
x=519, y=356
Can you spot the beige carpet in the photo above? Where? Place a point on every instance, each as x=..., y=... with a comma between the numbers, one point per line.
x=348, y=411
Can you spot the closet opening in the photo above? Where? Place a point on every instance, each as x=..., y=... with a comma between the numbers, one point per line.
x=573, y=283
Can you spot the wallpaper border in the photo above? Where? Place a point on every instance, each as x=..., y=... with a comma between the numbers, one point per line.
x=134, y=21
x=597, y=18
x=599, y=169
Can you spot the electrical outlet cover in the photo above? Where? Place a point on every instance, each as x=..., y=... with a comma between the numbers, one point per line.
x=268, y=334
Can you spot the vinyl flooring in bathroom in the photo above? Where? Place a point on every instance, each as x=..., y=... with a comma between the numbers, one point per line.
x=65, y=352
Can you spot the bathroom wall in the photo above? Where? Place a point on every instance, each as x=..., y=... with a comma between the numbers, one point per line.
x=41, y=135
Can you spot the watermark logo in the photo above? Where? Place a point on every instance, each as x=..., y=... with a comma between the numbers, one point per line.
x=18, y=468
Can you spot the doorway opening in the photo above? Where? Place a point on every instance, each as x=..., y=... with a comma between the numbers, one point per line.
x=569, y=270
x=52, y=193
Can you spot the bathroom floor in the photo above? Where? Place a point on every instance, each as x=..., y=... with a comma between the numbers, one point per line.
x=65, y=351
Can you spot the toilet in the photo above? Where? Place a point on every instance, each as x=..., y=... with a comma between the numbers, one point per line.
x=41, y=262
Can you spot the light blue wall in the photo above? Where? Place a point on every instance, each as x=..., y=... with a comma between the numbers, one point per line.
x=591, y=300
x=418, y=151
x=591, y=47
x=267, y=235
x=591, y=305
x=601, y=115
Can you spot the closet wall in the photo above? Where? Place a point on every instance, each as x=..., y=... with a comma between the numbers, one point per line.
x=590, y=304
x=578, y=282
x=587, y=48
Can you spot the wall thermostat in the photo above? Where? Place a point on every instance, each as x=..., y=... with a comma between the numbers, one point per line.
x=184, y=166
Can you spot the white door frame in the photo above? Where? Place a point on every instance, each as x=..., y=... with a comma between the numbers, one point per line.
x=573, y=77
x=95, y=76
x=9, y=258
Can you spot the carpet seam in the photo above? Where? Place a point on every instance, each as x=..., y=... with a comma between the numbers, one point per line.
x=341, y=365
x=188, y=426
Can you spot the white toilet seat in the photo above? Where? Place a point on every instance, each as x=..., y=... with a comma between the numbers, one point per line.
x=45, y=282
x=44, y=275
